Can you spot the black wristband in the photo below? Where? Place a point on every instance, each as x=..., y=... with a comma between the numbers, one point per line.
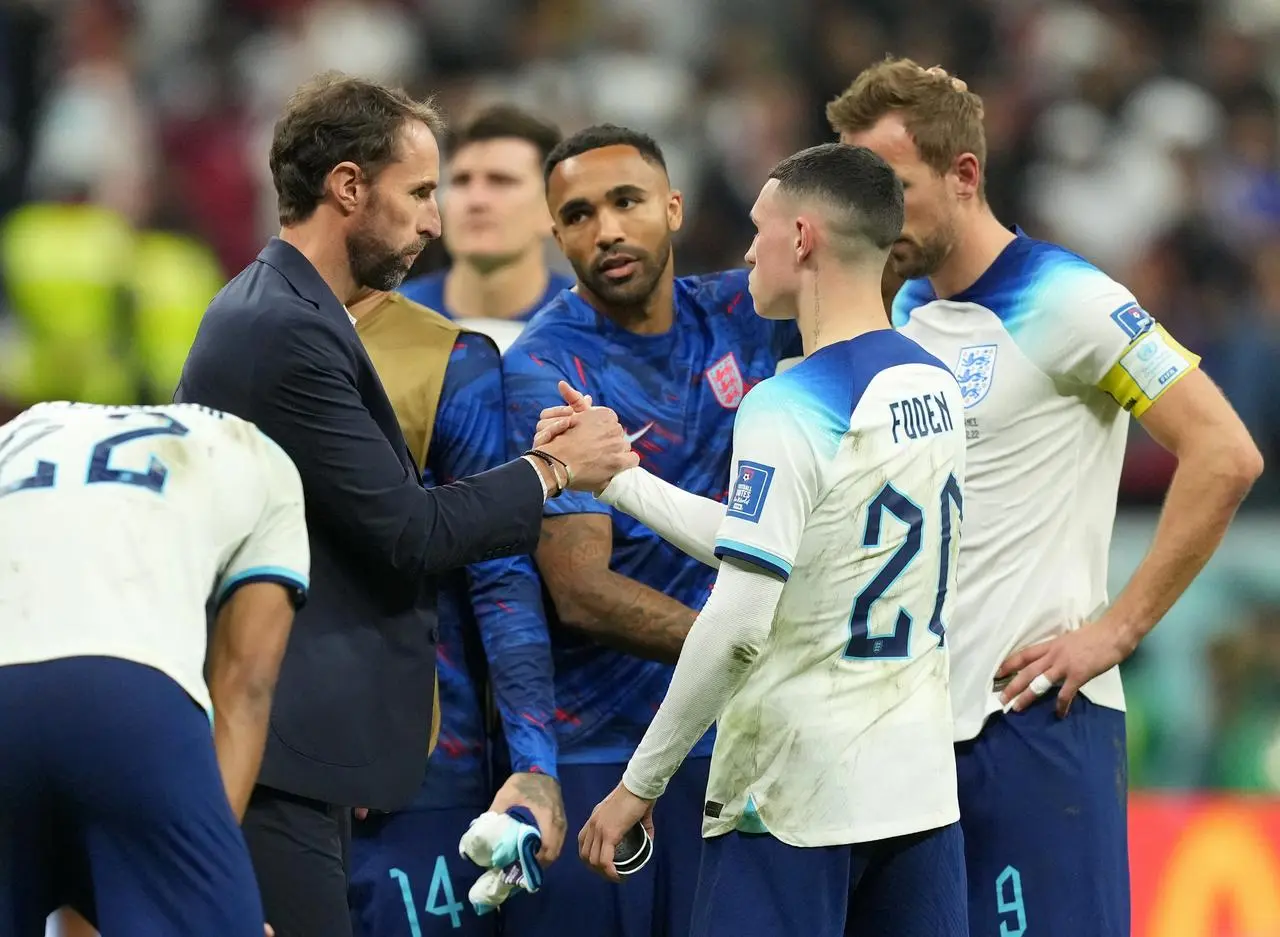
x=568, y=472
x=551, y=461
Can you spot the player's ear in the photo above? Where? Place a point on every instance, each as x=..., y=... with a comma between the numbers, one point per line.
x=805, y=240
x=675, y=210
x=555, y=235
x=346, y=184
x=967, y=174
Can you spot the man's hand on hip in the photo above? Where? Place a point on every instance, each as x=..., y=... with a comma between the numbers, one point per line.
x=541, y=794
x=1070, y=661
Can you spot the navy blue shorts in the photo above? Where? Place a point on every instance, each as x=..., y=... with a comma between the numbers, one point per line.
x=752, y=885
x=1043, y=806
x=111, y=801
x=407, y=879
x=657, y=901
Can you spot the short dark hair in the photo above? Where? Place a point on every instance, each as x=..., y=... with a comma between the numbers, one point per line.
x=506, y=121
x=597, y=138
x=855, y=182
x=332, y=119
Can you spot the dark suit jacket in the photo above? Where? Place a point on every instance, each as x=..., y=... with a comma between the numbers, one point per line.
x=352, y=712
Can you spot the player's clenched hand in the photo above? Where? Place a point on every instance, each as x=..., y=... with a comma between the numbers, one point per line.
x=541, y=794
x=592, y=444
x=1070, y=660
x=555, y=420
x=609, y=822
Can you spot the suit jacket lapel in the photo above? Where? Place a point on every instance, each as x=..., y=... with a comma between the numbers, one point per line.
x=307, y=283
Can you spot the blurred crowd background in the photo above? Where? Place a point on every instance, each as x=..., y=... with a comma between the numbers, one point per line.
x=1145, y=134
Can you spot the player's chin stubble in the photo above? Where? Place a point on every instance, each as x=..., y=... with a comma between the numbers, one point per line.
x=635, y=292
x=912, y=260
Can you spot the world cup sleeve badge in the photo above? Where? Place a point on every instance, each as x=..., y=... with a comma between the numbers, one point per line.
x=1133, y=320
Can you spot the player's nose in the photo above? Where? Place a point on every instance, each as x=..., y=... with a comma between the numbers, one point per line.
x=609, y=230
x=479, y=200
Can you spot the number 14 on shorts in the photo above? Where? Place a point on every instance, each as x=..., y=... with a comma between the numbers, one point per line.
x=441, y=888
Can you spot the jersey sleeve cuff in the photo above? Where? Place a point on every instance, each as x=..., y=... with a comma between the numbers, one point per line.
x=531, y=745
x=542, y=761
x=644, y=788
x=618, y=486
x=294, y=582
x=769, y=562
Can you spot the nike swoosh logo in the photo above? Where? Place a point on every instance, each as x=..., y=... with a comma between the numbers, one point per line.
x=632, y=437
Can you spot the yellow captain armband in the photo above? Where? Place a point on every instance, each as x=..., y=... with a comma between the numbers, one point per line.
x=1152, y=363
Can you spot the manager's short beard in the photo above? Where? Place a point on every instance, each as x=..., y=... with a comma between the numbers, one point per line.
x=375, y=264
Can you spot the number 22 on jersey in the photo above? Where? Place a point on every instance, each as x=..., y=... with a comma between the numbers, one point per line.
x=100, y=469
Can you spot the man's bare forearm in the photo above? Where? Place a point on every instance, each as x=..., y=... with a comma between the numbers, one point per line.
x=624, y=614
x=573, y=557
x=244, y=664
x=1202, y=500
x=239, y=738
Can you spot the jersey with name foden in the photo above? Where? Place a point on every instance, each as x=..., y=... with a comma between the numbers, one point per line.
x=848, y=475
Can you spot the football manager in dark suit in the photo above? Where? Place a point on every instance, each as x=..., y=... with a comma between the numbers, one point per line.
x=355, y=167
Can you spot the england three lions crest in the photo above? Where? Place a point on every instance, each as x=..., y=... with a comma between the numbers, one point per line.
x=725, y=379
x=974, y=371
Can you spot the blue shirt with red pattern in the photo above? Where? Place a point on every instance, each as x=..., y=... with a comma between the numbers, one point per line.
x=492, y=629
x=676, y=395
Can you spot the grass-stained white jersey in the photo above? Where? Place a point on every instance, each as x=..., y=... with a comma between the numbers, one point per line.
x=1051, y=355
x=847, y=482
x=118, y=524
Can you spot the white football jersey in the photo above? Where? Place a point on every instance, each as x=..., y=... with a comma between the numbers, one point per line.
x=118, y=524
x=1051, y=355
x=847, y=482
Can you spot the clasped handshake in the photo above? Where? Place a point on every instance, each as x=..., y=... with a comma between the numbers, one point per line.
x=588, y=440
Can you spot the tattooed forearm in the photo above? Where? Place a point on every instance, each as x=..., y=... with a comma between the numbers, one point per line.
x=540, y=794
x=589, y=597
x=622, y=613
x=540, y=791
